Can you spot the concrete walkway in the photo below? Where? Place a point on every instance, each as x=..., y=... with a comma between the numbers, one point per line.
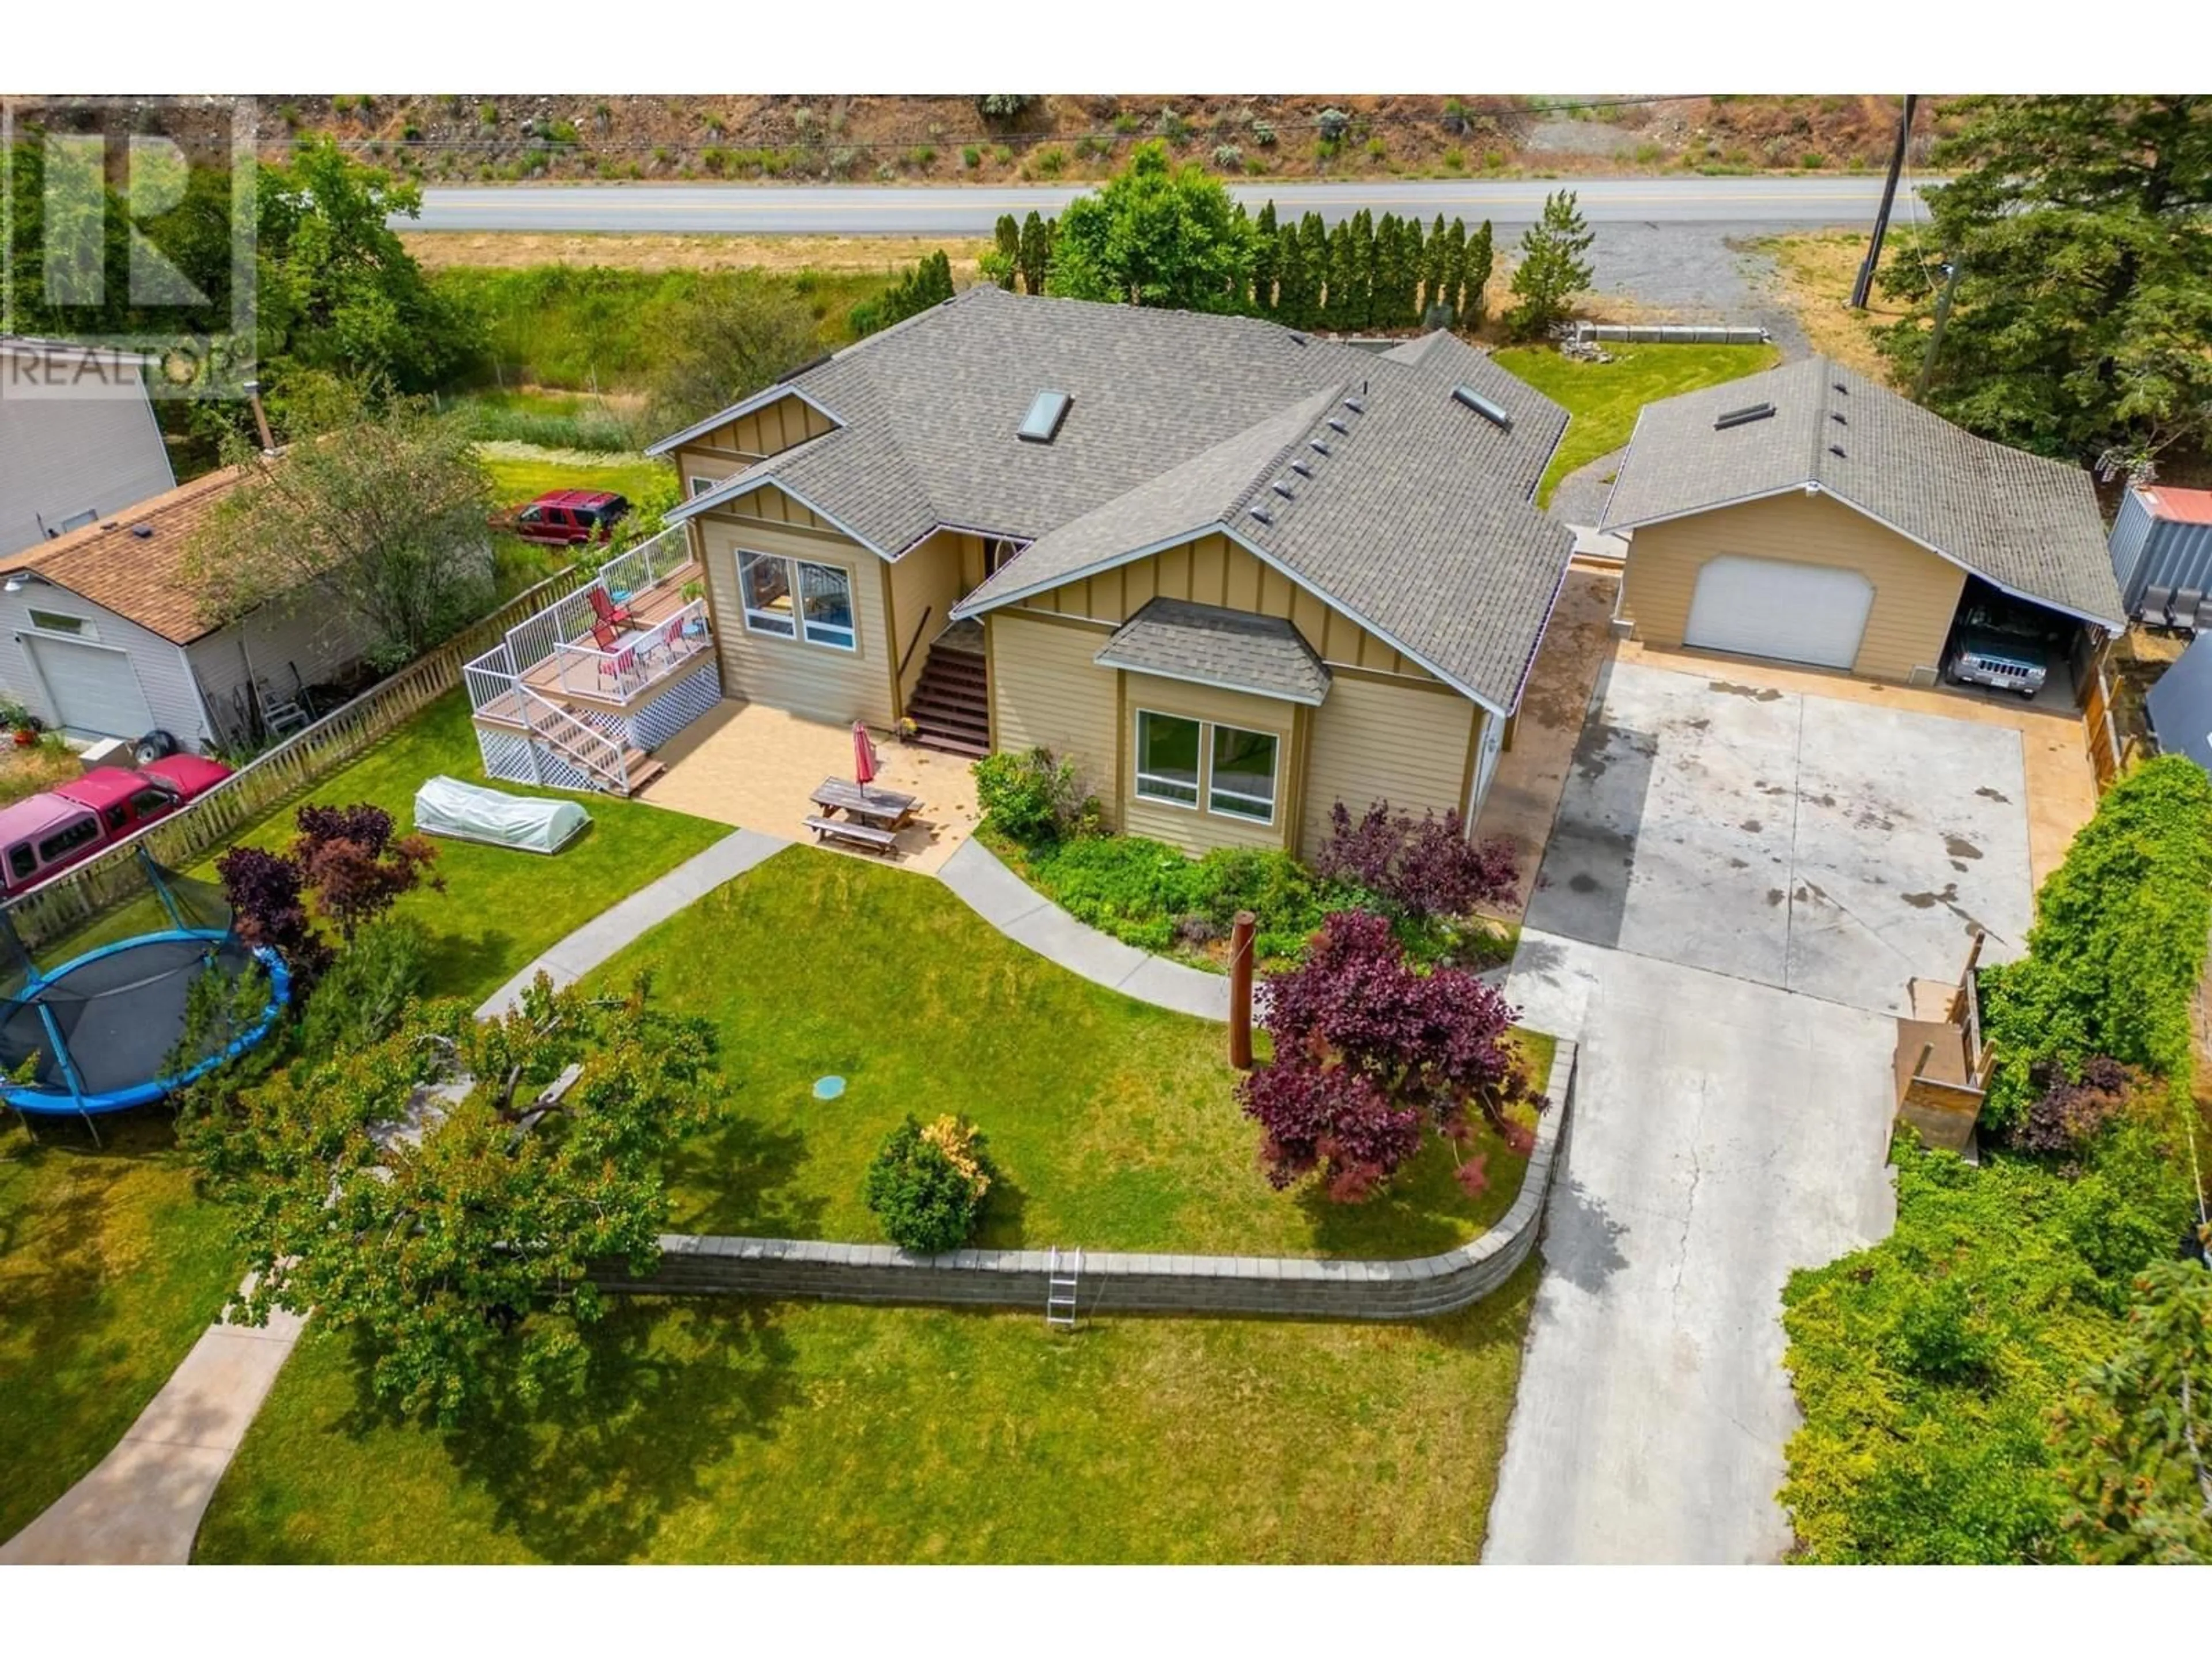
x=141, y=1506
x=1027, y=917
x=606, y=934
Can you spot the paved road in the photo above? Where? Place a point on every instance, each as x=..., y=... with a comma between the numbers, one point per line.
x=1737, y=889
x=855, y=210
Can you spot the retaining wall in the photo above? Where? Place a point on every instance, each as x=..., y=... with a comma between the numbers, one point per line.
x=694, y=1265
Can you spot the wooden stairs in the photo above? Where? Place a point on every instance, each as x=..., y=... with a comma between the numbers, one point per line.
x=572, y=732
x=950, y=706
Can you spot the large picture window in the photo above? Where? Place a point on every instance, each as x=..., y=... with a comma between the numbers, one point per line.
x=1242, y=784
x=765, y=585
x=1240, y=765
x=796, y=599
x=1167, y=757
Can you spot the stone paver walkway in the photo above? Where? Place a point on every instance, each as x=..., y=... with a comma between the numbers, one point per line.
x=1027, y=917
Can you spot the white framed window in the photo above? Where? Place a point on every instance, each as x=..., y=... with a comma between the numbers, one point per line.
x=701, y=486
x=825, y=609
x=1242, y=783
x=57, y=622
x=764, y=586
x=1168, y=750
x=798, y=599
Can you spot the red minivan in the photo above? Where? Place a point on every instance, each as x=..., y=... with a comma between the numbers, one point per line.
x=570, y=518
x=47, y=833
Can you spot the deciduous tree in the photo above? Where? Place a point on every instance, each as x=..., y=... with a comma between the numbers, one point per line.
x=714, y=349
x=1369, y=1053
x=454, y=1232
x=1156, y=234
x=373, y=514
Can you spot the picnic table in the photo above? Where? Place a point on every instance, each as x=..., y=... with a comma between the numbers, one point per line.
x=883, y=808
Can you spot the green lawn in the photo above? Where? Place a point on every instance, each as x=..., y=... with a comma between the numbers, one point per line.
x=519, y=477
x=1603, y=398
x=109, y=1269
x=109, y=1266
x=734, y=1431
x=1114, y=1124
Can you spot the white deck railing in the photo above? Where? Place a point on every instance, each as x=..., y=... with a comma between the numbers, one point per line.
x=640, y=662
x=551, y=632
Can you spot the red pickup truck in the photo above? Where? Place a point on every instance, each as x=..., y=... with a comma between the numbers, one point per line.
x=47, y=832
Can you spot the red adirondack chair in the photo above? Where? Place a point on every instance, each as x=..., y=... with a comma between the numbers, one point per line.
x=604, y=608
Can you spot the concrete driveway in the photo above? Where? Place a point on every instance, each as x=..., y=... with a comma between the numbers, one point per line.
x=1835, y=849
x=1740, y=882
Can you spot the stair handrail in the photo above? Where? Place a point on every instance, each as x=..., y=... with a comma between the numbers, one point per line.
x=915, y=640
x=615, y=770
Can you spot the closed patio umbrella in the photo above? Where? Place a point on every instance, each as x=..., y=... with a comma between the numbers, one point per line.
x=864, y=757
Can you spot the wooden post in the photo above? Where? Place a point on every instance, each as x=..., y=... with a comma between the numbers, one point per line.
x=1240, y=992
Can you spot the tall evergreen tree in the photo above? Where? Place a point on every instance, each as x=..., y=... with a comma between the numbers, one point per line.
x=1434, y=281
x=1294, y=301
x=1451, y=267
x=1336, y=311
x=1266, y=300
x=1316, y=249
x=1552, y=268
x=1034, y=256
x=2084, y=299
x=1361, y=300
x=1004, y=261
x=1411, y=252
x=1383, y=304
x=1475, y=266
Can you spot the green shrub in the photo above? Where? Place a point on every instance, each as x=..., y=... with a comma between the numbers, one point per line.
x=366, y=994
x=1051, y=161
x=2118, y=946
x=1455, y=159
x=1030, y=798
x=1263, y=132
x=1926, y=1366
x=1172, y=126
x=1228, y=158
x=1125, y=124
x=970, y=157
x=1153, y=896
x=928, y=1185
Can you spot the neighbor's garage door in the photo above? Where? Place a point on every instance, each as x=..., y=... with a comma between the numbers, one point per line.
x=1764, y=608
x=95, y=688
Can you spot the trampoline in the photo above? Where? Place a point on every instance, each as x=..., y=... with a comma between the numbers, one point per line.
x=103, y=1030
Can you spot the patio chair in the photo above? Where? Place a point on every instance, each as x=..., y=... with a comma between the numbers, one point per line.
x=604, y=608
x=605, y=636
x=668, y=639
x=623, y=666
x=2153, y=609
x=2187, y=604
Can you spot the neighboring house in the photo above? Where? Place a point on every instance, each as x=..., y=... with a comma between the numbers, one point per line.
x=1235, y=573
x=100, y=635
x=1811, y=515
x=66, y=460
x=2179, y=706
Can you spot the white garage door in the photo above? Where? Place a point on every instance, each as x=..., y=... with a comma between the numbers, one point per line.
x=95, y=689
x=1765, y=608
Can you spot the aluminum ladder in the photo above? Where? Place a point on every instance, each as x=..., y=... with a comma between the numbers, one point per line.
x=1060, y=1288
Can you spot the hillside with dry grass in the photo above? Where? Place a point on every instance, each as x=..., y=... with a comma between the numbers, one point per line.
x=460, y=137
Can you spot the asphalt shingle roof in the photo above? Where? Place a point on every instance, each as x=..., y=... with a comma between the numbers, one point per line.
x=1418, y=523
x=2028, y=523
x=1233, y=648
x=133, y=564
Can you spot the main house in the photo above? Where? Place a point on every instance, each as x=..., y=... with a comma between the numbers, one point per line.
x=1235, y=573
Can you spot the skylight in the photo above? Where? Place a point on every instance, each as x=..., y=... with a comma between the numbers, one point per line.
x=1743, y=416
x=1041, y=424
x=1468, y=398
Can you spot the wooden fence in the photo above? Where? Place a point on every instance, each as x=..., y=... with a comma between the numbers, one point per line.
x=60, y=906
x=2107, y=755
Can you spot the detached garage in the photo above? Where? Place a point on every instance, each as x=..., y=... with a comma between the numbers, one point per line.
x=1809, y=515
x=102, y=636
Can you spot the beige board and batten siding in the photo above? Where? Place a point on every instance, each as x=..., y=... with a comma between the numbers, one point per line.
x=926, y=583
x=1048, y=693
x=1214, y=570
x=1195, y=829
x=818, y=681
x=1373, y=741
x=735, y=445
x=1916, y=593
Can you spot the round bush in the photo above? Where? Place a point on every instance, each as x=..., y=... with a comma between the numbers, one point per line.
x=927, y=1185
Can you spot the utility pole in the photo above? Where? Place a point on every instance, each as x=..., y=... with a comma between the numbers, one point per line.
x=1935, y=335
x=1864, y=286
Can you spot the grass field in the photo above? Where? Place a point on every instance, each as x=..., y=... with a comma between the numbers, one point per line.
x=109, y=1265
x=1603, y=398
x=1114, y=1124
x=748, y=1431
